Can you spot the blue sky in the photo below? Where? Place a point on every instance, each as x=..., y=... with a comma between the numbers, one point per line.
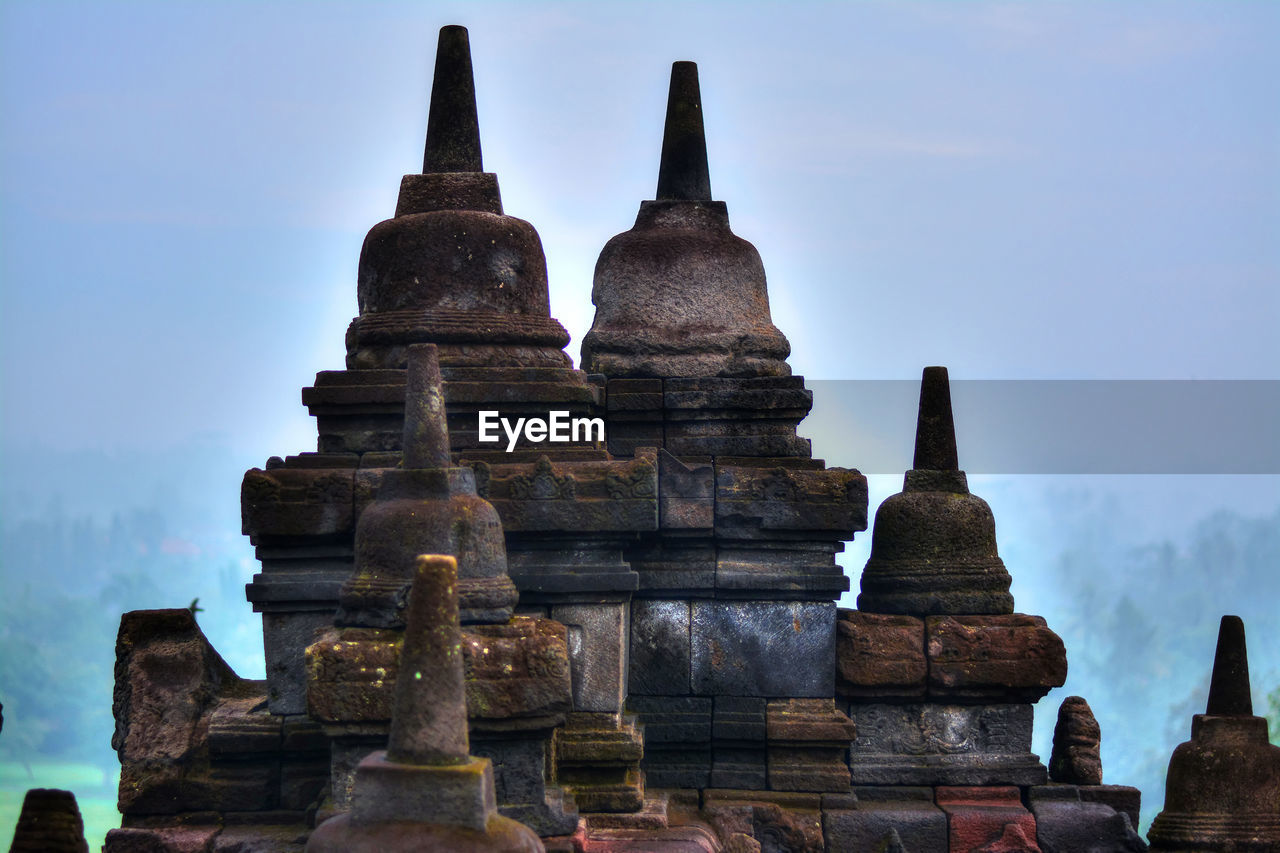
x=1016, y=190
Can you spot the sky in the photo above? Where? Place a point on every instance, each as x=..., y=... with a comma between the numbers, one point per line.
x=1030, y=191
x=1069, y=190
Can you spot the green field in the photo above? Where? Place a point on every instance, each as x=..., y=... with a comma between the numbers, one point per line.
x=95, y=791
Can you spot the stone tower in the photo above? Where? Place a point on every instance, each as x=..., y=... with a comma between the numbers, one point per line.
x=740, y=575
x=641, y=646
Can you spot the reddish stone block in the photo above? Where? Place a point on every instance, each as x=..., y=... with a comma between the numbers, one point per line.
x=879, y=656
x=987, y=820
x=802, y=721
x=178, y=839
x=1005, y=658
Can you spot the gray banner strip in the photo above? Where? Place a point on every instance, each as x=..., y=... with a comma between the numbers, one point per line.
x=1058, y=426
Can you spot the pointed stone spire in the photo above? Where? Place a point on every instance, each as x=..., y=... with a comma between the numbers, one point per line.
x=453, y=128
x=1229, y=693
x=429, y=723
x=683, y=174
x=426, y=433
x=935, y=429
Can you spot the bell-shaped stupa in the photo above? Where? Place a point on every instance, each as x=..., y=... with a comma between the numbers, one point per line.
x=1223, y=788
x=680, y=295
x=933, y=547
x=450, y=268
x=427, y=506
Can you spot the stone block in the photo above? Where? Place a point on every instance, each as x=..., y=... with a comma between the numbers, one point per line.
x=910, y=812
x=519, y=778
x=797, y=721
x=597, y=760
x=573, y=566
x=754, y=499
x=290, y=501
x=677, y=766
x=687, y=493
x=673, y=719
x=1066, y=823
x=599, y=739
x=243, y=785
x=997, y=657
x=739, y=718
x=879, y=656
x=516, y=671
x=987, y=819
x=169, y=680
x=928, y=744
x=634, y=395
x=351, y=674
x=660, y=648
x=302, y=781
x=345, y=754
x=285, y=637
x=808, y=742
x=676, y=567
x=461, y=794
x=240, y=727
x=259, y=838
x=598, y=636
x=781, y=569
x=816, y=769
x=748, y=648
x=565, y=495
x=1122, y=798
x=739, y=767
x=175, y=839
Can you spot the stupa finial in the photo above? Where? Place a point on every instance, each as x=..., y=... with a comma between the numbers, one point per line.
x=683, y=174
x=426, y=433
x=935, y=428
x=1229, y=693
x=453, y=129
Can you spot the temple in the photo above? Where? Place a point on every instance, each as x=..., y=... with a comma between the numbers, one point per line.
x=626, y=640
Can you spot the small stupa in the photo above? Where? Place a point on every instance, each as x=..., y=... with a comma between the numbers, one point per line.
x=428, y=504
x=425, y=792
x=933, y=547
x=1222, y=793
